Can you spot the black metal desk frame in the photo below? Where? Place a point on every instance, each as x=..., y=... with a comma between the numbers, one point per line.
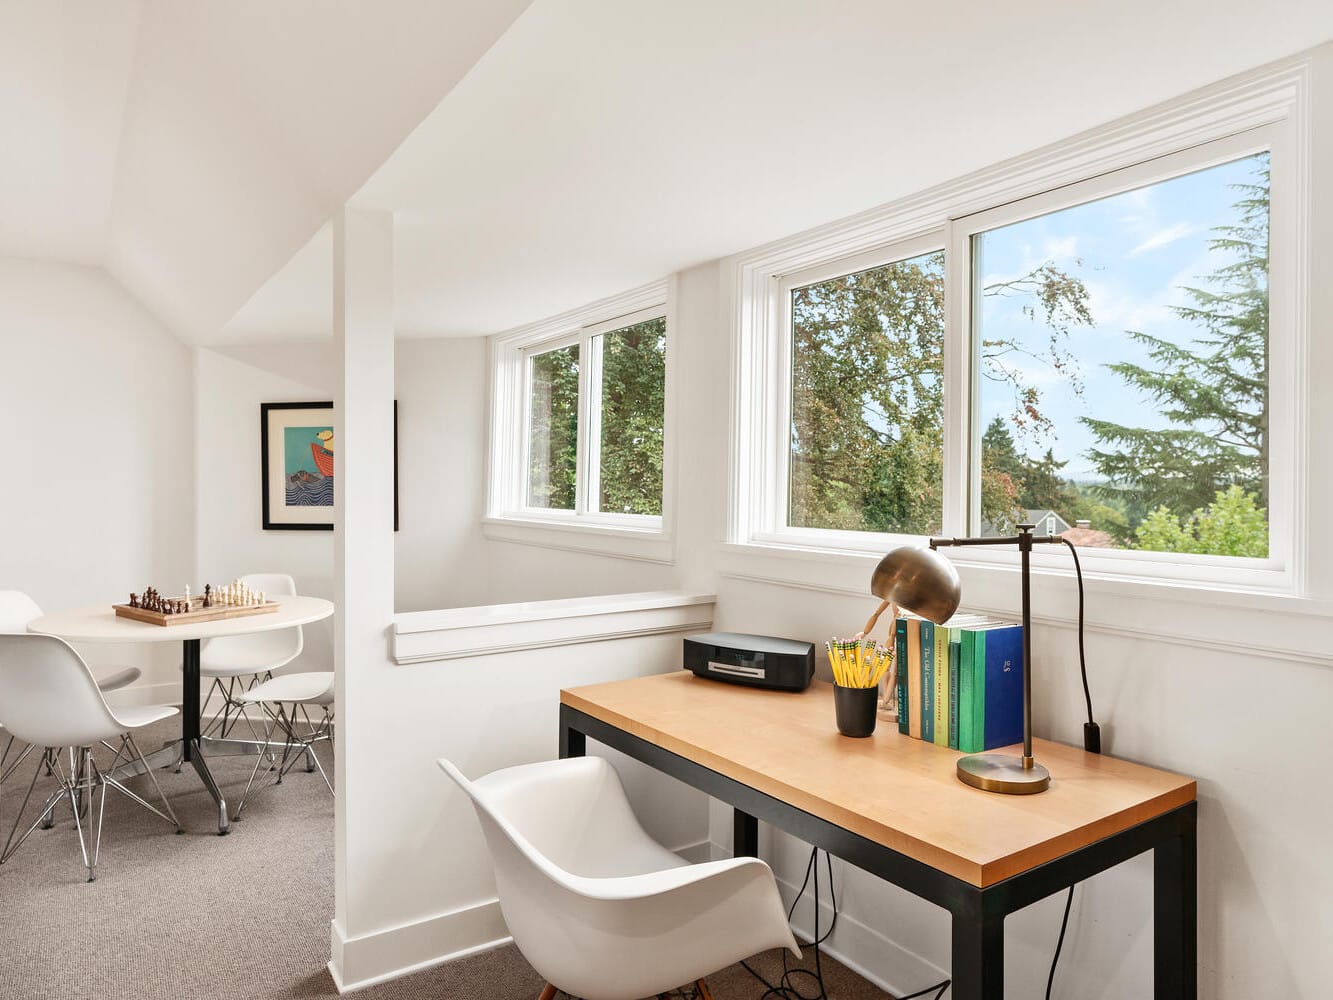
x=978, y=913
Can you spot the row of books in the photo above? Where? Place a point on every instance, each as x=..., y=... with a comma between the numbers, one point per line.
x=960, y=684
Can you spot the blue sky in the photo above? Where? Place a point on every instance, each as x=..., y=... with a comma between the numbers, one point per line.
x=1134, y=252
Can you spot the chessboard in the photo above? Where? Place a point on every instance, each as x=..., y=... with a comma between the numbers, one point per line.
x=197, y=612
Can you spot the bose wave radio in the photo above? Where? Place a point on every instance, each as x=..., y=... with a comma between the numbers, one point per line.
x=760, y=661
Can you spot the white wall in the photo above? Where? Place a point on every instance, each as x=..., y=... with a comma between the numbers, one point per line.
x=441, y=391
x=97, y=450
x=230, y=384
x=442, y=560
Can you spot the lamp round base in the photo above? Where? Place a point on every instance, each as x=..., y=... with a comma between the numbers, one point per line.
x=997, y=772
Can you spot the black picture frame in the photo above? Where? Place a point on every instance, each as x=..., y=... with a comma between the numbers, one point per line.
x=266, y=475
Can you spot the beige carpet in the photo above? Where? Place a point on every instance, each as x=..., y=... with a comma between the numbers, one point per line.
x=241, y=917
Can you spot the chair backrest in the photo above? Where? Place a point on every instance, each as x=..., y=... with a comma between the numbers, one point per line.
x=259, y=651
x=16, y=610
x=48, y=696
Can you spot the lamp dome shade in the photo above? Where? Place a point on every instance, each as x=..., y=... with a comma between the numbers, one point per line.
x=918, y=580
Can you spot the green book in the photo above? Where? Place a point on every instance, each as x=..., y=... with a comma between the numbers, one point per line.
x=955, y=680
x=966, y=678
x=941, y=731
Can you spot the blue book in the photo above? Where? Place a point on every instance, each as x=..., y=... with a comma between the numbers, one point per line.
x=928, y=681
x=955, y=681
x=900, y=660
x=1002, y=723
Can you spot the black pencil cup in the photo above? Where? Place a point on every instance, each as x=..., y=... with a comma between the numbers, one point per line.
x=855, y=708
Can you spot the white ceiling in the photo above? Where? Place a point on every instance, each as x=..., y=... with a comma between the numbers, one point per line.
x=192, y=147
x=196, y=149
x=600, y=145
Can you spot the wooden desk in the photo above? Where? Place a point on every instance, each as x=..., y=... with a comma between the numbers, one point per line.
x=891, y=805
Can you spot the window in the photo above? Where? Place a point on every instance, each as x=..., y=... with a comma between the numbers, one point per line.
x=553, y=428
x=578, y=431
x=867, y=447
x=1094, y=358
x=1122, y=353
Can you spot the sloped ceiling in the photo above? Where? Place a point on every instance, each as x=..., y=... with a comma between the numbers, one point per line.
x=602, y=144
x=193, y=147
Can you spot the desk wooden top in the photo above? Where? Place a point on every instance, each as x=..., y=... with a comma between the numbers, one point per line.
x=889, y=788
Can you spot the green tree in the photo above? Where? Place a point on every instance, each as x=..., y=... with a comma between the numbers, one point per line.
x=867, y=404
x=1213, y=391
x=633, y=406
x=1232, y=525
x=553, y=429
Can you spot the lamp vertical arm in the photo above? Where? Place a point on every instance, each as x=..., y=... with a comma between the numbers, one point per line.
x=1025, y=547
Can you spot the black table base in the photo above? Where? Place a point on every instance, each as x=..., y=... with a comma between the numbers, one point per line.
x=978, y=913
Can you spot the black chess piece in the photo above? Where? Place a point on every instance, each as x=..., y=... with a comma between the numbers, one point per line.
x=134, y=600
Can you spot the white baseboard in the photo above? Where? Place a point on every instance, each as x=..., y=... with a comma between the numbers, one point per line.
x=371, y=959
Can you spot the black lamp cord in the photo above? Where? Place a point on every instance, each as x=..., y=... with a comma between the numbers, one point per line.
x=1092, y=742
x=785, y=988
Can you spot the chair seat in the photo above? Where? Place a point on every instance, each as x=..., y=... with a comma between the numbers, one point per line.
x=310, y=688
x=137, y=716
x=224, y=671
x=120, y=679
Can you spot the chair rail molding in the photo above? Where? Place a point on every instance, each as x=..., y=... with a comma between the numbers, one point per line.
x=454, y=633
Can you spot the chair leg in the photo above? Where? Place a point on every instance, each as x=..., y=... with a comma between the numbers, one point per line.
x=548, y=992
x=702, y=988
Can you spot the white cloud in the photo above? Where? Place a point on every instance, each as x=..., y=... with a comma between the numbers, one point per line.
x=1164, y=237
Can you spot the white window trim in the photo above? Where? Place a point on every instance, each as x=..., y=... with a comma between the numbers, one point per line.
x=1269, y=106
x=508, y=517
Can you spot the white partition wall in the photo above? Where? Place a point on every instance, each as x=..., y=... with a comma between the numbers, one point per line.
x=363, y=548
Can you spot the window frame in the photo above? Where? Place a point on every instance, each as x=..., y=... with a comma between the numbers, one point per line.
x=1265, y=110
x=509, y=516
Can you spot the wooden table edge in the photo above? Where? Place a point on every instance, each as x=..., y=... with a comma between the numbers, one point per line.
x=982, y=875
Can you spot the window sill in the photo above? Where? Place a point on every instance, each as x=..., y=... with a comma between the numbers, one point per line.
x=621, y=541
x=452, y=633
x=1263, y=622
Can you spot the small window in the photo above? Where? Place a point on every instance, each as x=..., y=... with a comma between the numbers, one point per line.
x=1136, y=406
x=579, y=434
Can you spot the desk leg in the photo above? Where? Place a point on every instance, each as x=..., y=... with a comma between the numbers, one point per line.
x=744, y=835
x=978, y=952
x=572, y=742
x=1175, y=914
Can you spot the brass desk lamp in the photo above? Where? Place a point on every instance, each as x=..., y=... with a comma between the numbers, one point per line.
x=925, y=583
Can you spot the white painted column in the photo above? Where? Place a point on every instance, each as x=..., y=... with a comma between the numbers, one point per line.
x=363, y=546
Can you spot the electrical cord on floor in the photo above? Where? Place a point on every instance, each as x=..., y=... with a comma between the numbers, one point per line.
x=785, y=988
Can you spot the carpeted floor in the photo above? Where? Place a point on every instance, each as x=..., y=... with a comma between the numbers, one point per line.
x=241, y=917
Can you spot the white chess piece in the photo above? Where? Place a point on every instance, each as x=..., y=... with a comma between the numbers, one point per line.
x=187, y=595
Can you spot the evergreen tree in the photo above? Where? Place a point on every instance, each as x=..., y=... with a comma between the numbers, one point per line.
x=1214, y=391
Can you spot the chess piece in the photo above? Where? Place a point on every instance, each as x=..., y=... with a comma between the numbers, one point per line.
x=187, y=595
x=134, y=600
x=208, y=595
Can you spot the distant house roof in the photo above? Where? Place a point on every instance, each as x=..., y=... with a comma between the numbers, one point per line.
x=1089, y=538
x=1040, y=518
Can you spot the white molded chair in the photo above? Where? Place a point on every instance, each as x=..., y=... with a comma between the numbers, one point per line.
x=49, y=699
x=17, y=609
x=599, y=908
x=280, y=697
x=237, y=663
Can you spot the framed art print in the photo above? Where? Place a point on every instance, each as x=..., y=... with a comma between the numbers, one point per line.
x=298, y=465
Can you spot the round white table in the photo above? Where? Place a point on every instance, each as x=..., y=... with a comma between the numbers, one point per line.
x=101, y=624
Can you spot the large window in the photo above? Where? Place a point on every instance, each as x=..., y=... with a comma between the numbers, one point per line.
x=1094, y=359
x=579, y=431
x=1123, y=366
